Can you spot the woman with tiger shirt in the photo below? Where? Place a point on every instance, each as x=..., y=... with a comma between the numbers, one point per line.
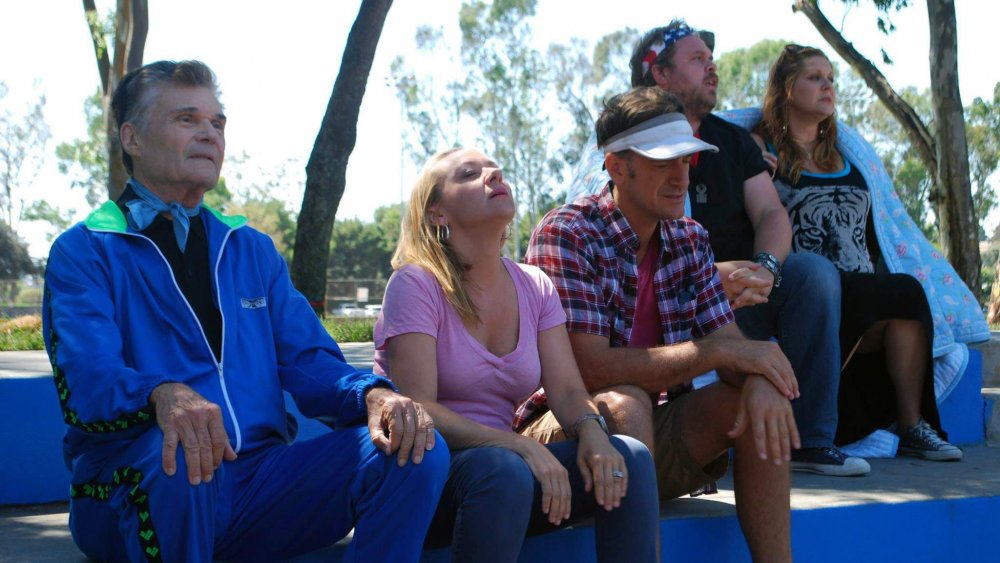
x=886, y=329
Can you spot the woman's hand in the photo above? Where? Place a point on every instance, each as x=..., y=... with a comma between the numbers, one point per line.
x=771, y=161
x=602, y=467
x=550, y=473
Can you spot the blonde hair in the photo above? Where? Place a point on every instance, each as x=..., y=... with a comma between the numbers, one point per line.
x=774, y=125
x=420, y=242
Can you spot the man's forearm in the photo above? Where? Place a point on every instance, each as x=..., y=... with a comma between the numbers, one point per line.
x=773, y=234
x=652, y=369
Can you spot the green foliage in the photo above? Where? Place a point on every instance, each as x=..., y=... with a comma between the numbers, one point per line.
x=253, y=195
x=902, y=161
x=505, y=87
x=60, y=219
x=350, y=330
x=219, y=197
x=23, y=136
x=910, y=177
x=988, y=272
x=743, y=73
x=982, y=130
x=270, y=216
x=21, y=334
x=14, y=259
x=525, y=227
x=85, y=160
x=363, y=251
x=388, y=220
x=434, y=116
x=507, y=84
x=583, y=82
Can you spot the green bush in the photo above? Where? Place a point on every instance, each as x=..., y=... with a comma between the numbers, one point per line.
x=349, y=330
x=25, y=333
x=21, y=333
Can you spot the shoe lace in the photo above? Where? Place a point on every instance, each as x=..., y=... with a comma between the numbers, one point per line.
x=923, y=432
x=836, y=454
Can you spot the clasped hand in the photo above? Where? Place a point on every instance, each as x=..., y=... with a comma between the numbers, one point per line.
x=745, y=283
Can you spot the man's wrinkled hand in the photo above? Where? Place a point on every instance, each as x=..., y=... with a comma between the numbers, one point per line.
x=187, y=418
x=399, y=424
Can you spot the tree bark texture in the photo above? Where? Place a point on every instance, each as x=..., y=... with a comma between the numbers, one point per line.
x=944, y=160
x=957, y=213
x=327, y=166
x=131, y=26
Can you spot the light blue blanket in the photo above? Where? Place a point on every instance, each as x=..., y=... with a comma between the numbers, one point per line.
x=957, y=316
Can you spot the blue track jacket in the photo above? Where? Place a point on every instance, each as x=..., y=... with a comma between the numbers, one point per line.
x=116, y=325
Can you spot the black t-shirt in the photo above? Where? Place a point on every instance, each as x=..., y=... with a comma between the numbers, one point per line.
x=716, y=188
x=191, y=269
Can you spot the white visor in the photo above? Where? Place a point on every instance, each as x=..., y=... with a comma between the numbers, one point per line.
x=664, y=137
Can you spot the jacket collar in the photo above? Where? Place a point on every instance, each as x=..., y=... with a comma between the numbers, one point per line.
x=109, y=218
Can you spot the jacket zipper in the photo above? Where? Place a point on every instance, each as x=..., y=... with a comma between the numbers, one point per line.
x=222, y=315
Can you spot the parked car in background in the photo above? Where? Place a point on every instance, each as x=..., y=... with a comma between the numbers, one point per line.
x=349, y=311
x=372, y=311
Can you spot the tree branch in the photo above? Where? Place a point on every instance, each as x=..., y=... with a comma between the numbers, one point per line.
x=140, y=27
x=100, y=44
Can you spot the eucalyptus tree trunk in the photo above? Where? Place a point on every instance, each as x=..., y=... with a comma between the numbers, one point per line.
x=326, y=171
x=956, y=211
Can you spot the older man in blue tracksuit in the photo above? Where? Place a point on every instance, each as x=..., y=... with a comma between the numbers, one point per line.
x=173, y=331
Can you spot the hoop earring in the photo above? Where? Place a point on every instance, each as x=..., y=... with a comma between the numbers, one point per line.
x=443, y=233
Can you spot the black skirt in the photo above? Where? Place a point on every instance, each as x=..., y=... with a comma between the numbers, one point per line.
x=867, y=399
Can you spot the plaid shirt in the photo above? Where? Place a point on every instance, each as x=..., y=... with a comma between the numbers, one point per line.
x=589, y=251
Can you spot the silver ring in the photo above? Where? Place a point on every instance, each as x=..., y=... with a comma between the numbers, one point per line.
x=617, y=474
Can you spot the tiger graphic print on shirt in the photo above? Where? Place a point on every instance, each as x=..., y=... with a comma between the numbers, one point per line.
x=829, y=220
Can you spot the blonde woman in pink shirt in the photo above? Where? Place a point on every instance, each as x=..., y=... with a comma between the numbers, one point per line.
x=470, y=334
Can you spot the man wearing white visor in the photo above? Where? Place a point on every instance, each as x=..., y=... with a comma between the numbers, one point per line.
x=775, y=293
x=647, y=313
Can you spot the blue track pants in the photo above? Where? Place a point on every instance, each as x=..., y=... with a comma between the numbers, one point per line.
x=273, y=503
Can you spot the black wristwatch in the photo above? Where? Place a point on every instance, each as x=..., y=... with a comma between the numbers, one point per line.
x=589, y=416
x=771, y=264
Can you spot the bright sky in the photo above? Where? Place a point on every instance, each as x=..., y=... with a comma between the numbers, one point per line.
x=277, y=61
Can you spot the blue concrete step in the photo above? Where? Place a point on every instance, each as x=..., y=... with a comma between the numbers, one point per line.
x=905, y=510
x=32, y=469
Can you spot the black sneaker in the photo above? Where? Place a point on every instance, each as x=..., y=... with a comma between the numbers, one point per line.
x=923, y=442
x=828, y=461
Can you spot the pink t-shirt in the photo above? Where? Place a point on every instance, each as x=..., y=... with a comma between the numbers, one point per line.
x=471, y=380
x=646, y=329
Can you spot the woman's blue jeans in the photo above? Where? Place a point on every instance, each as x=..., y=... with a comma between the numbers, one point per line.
x=491, y=501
